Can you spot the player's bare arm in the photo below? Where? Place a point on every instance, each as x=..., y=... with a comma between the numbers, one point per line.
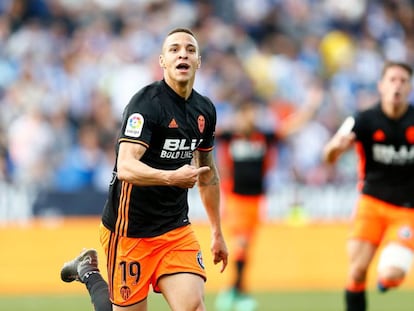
x=131, y=169
x=209, y=187
x=296, y=121
x=205, y=159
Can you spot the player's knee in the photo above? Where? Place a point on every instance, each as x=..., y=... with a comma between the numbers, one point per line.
x=395, y=261
x=241, y=241
x=197, y=304
x=358, y=273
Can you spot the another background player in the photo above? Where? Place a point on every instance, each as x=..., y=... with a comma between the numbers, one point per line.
x=246, y=151
x=384, y=139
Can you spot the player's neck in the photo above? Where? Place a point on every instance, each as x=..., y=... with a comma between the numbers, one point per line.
x=394, y=111
x=183, y=89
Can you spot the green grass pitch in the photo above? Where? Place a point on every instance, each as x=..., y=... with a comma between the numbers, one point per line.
x=398, y=300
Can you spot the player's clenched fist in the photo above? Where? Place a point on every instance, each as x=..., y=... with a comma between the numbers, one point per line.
x=187, y=175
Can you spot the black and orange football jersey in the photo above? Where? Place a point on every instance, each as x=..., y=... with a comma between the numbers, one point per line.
x=171, y=128
x=385, y=149
x=249, y=157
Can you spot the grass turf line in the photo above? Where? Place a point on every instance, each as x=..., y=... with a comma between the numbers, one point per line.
x=397, y=300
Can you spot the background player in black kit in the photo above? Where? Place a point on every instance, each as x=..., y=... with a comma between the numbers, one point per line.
x=164, y=148
x=246, y=151
x=384, y=139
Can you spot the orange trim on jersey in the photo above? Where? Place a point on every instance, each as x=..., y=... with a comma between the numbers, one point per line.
x=126, y=210
x=121, y=227
x=121, y=205
x=362, y=162
x=126, y=140
x=225, y=166
x=205, y=149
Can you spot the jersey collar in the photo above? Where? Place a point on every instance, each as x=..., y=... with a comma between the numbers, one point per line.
x=173, y=94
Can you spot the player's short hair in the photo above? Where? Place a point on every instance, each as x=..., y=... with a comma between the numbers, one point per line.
x=389, y=64
x=181, y=29
x=248, y=103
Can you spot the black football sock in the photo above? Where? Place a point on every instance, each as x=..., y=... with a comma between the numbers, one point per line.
x=240, y=264
x=98, y=290
x=355, y=301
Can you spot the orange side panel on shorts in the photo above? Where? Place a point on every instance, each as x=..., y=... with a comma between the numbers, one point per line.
x=121, y=229
x=111, y=262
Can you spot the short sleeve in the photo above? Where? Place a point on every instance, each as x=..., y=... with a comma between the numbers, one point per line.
x=209, y=122
x=138, y=119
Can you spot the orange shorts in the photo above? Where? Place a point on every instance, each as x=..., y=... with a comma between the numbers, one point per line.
x=242, y=213
x=136, y=263
x=378, y=221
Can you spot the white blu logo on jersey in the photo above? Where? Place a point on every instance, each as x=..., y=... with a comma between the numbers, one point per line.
x=243, y=149
x=388, y=154
x=134, y=125
x=175, y=148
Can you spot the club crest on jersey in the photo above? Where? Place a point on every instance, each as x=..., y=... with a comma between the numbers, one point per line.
x=409, y=134
x=379, y=135
x=125, y=292
x=201, y=123
x=134, y=125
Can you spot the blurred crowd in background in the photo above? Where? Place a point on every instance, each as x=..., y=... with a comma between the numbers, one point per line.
x=68, y=67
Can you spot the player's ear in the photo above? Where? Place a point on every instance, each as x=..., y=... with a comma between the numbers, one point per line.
x=199, y=62
x=161, y=61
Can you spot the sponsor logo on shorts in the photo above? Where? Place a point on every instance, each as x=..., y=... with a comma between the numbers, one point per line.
x=200, y=260
x=134, y=125
x=125, y=292
x=405, y=232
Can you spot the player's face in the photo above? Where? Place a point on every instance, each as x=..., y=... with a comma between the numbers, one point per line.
x=246, y=118
x=395, y=87
x=180, y=57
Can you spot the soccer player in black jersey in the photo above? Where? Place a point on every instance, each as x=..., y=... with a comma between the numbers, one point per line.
x=164, y=148
x=384, y=139
x=245, y=153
